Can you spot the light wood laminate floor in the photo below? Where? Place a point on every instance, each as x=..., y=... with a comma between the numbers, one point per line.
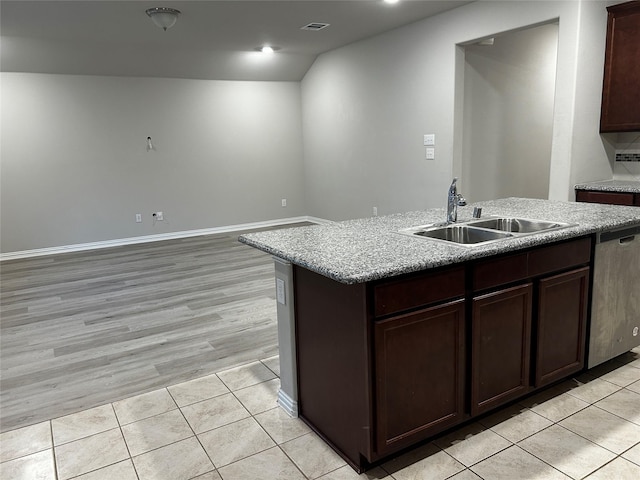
x=84, y=329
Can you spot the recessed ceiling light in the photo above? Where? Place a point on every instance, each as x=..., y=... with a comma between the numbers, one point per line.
x=268, y=49
x=391, y=2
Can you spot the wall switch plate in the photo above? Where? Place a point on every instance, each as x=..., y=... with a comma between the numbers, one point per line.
x=284, y=202
x=375, y=211
x=159, y=216
x=138, y=218
x=429, y=139
x=430, y=153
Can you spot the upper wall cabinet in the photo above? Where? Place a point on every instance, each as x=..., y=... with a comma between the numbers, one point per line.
x=621, y=90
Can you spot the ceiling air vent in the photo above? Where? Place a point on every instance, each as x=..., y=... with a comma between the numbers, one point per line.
x=315, y=26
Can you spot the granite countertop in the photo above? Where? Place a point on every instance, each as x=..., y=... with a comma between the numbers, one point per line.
x=621, y=186
x=362, y=250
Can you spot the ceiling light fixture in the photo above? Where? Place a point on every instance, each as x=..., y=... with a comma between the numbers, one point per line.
x=267, y=49
x=390, y=2
x=164, y=17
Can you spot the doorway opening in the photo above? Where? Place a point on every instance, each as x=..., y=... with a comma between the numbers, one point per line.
x=508, y=91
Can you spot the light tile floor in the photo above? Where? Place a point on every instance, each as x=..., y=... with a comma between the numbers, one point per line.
x=227, y=426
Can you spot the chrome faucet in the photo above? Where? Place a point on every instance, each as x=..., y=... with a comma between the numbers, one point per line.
x=453, y=200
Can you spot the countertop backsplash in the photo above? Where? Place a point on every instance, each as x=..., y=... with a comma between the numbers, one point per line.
x=627, y=157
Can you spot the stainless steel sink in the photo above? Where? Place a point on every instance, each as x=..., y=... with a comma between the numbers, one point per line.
x=516, y=225
x=481, y=232
x=462, y=234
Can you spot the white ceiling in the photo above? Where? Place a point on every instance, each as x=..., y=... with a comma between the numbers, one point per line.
x=211, y=39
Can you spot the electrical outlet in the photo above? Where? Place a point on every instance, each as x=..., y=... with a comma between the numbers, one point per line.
x=375, y=211
x=158, y=216
x=284, y=202
x=138, y=218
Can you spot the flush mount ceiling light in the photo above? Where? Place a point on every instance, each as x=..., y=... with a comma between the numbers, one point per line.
x=164, y=17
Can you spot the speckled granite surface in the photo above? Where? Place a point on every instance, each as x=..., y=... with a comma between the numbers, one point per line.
x=621, y=186
x=367, y=249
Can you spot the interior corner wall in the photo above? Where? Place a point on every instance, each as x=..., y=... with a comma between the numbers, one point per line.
x=75, y=169
x=593, y=154
x=366, y=108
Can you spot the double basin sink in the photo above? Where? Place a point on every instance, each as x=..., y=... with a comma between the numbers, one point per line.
x=483, y=231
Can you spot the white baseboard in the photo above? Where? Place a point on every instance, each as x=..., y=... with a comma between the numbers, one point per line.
x=288, y=404
x=155, y=238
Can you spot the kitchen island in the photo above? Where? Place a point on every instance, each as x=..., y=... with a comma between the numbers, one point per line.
x=387, y=339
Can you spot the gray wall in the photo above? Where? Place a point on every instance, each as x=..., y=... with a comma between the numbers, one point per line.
x=75, y=167
x=509, y=88
x=366, y=107
x=350, y=137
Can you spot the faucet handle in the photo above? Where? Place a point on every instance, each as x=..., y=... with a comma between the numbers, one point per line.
x=461, y=200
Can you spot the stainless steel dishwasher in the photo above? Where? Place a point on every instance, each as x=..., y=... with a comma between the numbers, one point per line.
x=615, y=306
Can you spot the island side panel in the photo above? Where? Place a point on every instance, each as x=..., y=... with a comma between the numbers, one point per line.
x=288, y=393
x=334, y=381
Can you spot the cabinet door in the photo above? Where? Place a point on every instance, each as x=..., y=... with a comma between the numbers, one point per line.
x=501, y=339
x=562, y=315
x=620, y=93
x=420, y=374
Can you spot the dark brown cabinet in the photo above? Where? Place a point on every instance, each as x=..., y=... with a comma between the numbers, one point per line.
x=508, y=360
x=387, y=364
x=420, y=374
x=612, y=198
x=621, y=95
x=501, y=340
x=562, y=317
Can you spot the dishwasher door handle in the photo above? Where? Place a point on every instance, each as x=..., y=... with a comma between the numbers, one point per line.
x=627, y=240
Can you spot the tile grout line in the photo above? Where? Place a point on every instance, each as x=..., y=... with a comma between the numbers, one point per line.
x=53, y=451
x=251, y=415
x=577, y=434
x=602, y=466
x=276, y=444
x=135, y=470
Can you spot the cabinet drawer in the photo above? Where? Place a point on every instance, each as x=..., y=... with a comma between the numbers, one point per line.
x=417, y=291
x=559, y=257
x=499, y=271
